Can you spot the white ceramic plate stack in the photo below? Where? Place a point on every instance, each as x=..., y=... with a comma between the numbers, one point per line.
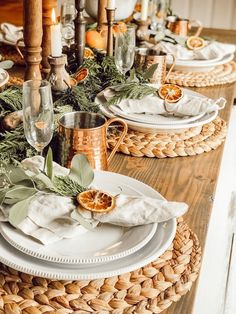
x=103, y=252
x=148, y=123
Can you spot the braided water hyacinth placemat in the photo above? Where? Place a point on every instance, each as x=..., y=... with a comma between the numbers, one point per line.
x=193, y=141
x=150, y=289
x=220, y=75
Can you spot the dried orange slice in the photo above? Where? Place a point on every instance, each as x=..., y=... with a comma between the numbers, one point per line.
x=96, y=201
x=170, y=92
x=195, y=43
x=81, y=75
x=88, y=53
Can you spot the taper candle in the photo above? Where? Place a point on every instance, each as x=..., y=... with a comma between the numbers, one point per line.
x=56, y=42
x=144, y=10
x=111, y=4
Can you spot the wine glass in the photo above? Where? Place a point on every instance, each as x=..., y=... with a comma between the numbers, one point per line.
x=67, y=22
x=38, y=113
x=125, y=49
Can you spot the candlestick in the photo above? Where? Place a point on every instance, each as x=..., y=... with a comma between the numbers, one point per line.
x=111, y=4
x=58, y=77
x=32, y=12
x=101, y=16
x=56, y=42
x=142, y=30
x=80, y=25
x=110, y=21
x=144, y=10
x=48, y=5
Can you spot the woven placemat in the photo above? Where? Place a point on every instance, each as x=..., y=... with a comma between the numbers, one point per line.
x=220, y=75
x=148, y=290
x=193, y=141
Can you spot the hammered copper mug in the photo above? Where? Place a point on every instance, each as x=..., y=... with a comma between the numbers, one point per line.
x=182, y=27
x=86, y=133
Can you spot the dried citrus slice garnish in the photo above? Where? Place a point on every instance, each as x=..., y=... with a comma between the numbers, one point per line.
x=96, y=201
x=88, y=53
x=170, y=92
x=81, y=75
x=195, y=43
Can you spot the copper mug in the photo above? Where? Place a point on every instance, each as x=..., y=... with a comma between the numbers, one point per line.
x=86, y=133
x=182, y=27
x=145, y=58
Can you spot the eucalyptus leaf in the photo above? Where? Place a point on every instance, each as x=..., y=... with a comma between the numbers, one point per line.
x=151, y=70
x=41, y=178
x=7, y=64
x=20, y=192
x=48, y=167
x=19, y=212
x=2, y=197
x=76, y=216
x=81, y=171
x=17, y=175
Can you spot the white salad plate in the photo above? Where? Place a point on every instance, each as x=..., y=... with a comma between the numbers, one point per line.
x=161, y=128
x=154, y=118
x=201, y=65
x=157, y=245
x=103, y=244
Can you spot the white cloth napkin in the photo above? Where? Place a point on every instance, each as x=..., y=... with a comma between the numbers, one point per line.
x=52, y=217
x=209, y=52
x=10, y=33
x=189, y=105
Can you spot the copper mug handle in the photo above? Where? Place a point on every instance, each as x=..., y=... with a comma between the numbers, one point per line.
x=199, y=27
x=172, y=66
x=18, y=48
x=110, y=121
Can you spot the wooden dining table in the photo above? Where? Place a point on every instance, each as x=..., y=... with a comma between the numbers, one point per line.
x=190, y=179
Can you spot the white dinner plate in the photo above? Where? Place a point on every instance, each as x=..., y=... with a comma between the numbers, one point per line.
x=158, y=244
x=201, y=65
x=100, y=245
x=154, y=118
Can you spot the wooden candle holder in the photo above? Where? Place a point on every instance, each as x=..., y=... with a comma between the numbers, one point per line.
x=33, y=31
x=58, y=77
x=48, y=6
x=110, y=21
x=80, y=25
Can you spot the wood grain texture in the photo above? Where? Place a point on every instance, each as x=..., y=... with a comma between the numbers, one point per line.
x=189, y=179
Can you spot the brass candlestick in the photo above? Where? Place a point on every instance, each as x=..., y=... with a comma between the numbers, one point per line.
x=110, y=22
x=80, y=24
x=142, y=29
x=101, y=17
x=58, y=77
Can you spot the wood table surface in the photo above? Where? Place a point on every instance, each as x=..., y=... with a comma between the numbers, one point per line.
x=186, y=179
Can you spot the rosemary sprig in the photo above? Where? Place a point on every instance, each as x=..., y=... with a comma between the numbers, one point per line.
x=65, y=186
x=132, y=90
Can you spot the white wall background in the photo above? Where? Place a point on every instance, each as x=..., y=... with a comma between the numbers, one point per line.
x=212, y=13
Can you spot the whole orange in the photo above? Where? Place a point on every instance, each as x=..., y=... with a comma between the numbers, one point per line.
x=94, y=39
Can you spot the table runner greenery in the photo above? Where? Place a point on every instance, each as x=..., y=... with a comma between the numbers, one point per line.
x=102, y=73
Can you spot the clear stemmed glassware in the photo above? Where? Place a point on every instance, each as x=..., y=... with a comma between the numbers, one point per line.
x=125, y=49
x=38, y=113
x=67, y=22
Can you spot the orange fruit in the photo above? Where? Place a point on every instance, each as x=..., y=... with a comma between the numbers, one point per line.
x=94, y=39
x=88, y=53
x=81, y=75
x=170, y=92
x=138, y=7
x=96, y=201
x=195, y=43
x=73, y=81
x=119, y=27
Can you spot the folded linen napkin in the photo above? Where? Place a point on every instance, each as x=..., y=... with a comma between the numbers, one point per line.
x=189, y=105
x=52, y=217
x=209, y=52
x=10, y=33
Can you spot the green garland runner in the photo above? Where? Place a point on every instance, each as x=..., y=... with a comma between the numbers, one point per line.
x=102, y=73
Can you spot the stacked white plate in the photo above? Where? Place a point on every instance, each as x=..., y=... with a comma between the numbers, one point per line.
x=103, y=252
x=149, y=123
